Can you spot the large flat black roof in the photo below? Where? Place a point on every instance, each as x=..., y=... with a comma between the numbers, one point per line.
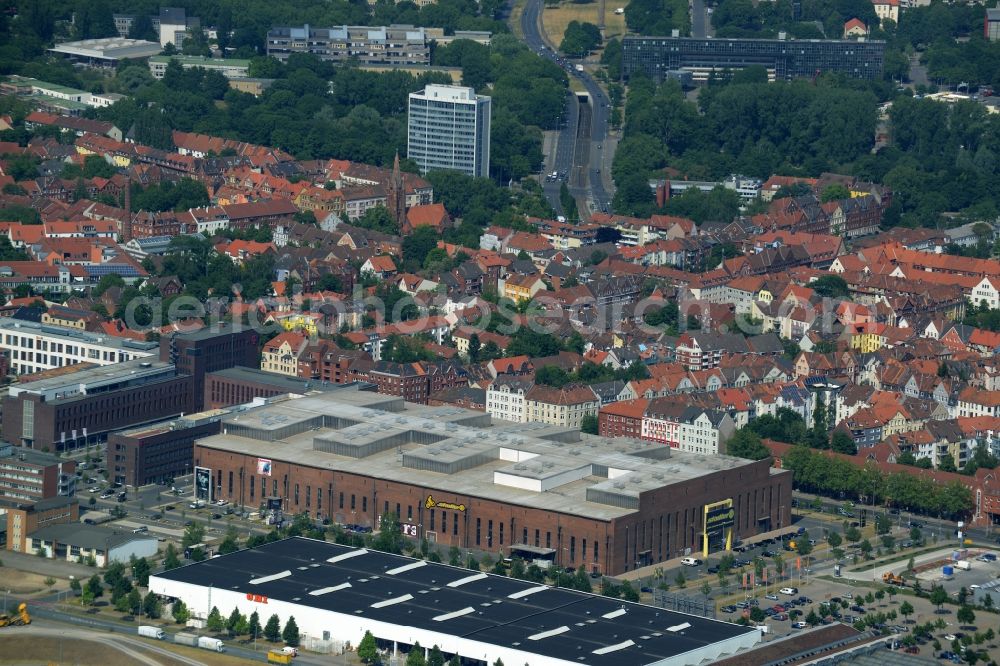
x=515, y=614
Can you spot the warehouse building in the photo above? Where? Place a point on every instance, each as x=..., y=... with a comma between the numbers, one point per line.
x=337, y=593
x=456, y=477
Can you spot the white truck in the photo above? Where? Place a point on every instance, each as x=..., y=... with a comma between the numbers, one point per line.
x=579, y=68
x=213, y=644
x=152, y=632
x=964, y=565
x=184, y=638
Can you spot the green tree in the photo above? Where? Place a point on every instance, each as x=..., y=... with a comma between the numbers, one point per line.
x=368, y=650
x=417, y=246
x=215, y=622
x=835, y=192
x=133, y=601
x=151, y=605
x=435, y=658
x=834, y=540
x=966, y=615
x=390, y=535
x=230, y=544
x=580, y=38
x=141, y=571
x=415, y=657
x=272, y=630
x=589, y=424
x=94, y=586
x=193, y=534
x=290, y=634
x=938, y=596
x=180, y=611
x=253, y=627
x=170, y=560
x=234, y=619
x=745, y=443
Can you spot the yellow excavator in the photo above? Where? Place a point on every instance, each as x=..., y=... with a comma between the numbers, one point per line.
x=21, y=618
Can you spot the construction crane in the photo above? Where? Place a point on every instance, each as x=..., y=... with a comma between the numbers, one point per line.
x=21, y=618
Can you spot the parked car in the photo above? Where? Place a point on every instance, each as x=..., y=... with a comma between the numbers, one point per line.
x=799, y=625
x=789, y=590
x=713, y=569
x=728, y=609
x=772, y=597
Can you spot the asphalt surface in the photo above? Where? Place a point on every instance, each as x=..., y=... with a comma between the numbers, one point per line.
x=125, y=632
x=698, y=18
x=585, y=150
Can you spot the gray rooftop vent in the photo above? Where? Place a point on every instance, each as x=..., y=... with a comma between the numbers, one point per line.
x=520, y=468
x=619, y=485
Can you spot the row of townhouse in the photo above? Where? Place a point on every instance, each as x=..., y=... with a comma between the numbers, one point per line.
x=669, y=422
x=520, y=400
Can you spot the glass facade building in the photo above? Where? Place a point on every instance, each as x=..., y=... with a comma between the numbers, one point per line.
x=784, y=59
x=449, y=128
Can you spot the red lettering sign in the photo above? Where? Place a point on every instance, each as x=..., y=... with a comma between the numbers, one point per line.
x=259, y=598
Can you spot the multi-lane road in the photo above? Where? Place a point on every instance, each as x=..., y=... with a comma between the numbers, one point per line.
x=582, y=150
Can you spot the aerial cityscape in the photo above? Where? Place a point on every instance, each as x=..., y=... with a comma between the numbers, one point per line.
x=542, y=332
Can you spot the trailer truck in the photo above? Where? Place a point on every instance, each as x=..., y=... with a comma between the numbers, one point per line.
x=152, y=632
x=213, y=644
x=184, y=638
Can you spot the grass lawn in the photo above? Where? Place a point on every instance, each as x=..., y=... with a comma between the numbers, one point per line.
x=555, y=19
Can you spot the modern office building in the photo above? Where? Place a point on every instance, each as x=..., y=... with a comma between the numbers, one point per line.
x=337, y=593
x=784, y=59
x=158, y=452
x=30, y=476
x=449, y=128
x=456, y=477
x=34, y=347
x=394, y=44
x=213, y=348
x=77, y=409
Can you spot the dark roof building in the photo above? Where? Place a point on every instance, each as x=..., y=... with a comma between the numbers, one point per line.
x=338, y=592
x=784, y=58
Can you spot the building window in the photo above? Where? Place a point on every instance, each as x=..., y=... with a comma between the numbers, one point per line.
x=308, y=496
x=353, y=502
x=478, y=527
x=319, y=498
x=251, y=486
x=432, y=520
x=409, y=512
x=341, y=500
x=489, y=534
x=398, y=511
x=501, y=532
x=454, y=524
x=596, y=544
x=538, y=541
x=296, y=494
x=572, y=549
x=364, y=504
